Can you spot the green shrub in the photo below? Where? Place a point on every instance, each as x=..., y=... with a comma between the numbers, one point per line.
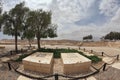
x=21, y=57
x=24, y=55
x=94, y=58
x=57, y=54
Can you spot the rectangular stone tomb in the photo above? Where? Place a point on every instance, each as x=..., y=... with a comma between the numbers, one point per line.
x=75, y=63
x=40, y=62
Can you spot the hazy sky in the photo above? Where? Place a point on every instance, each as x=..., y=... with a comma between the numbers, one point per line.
x=77, y=18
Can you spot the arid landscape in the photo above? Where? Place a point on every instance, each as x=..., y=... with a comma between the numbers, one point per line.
x=108, y=47
x=59, y=39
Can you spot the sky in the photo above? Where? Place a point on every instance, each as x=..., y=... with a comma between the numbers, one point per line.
x=76, y=18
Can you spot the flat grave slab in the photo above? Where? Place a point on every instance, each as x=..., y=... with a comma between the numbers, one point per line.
x=75, y=63
x=40, y=62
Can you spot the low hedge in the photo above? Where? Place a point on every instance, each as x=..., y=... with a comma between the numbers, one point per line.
x=94, y=58
x=57, y=54
x=21, y=57
x=24, y=55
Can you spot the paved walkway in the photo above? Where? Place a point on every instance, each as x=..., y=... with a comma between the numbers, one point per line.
x=116, y=65
x=23, y=78
x=58, y=67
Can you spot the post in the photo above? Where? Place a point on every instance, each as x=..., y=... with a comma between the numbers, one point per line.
x=22, y=50
x=104, y=66
x=10, y=52
x=56, y=76
x=56, y=47
x=102, y=53
x=118, y=57
x=68, y=47
x=91, y=51
x=84, y=49
x=79, y=48
x=9, y=66
x=44, y=47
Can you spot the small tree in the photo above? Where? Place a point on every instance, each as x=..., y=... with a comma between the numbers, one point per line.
x=28, y=34
x=89, y=37
x=112, y=36
x=13, y=21
x=0, y=13
x=40, y=24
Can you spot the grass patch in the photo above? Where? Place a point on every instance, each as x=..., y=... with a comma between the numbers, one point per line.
x=21, y=57
x=94, y=58
x=57, y=54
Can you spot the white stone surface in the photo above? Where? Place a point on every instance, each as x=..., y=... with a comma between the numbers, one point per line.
x=116, y=65
x=108, y=59
x=71, y=58
x=75, y=63
x=39, y=62
x=5, y=59
x=91, y=78
x=23, y=78
x=39, y=58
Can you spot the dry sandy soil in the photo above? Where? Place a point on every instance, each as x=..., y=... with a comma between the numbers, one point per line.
x=107, y=50
x=110, y=74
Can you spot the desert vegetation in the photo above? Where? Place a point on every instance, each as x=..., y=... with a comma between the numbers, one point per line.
x=57, y=54
x=86, y=38
x=112, y=36
x=28, y=28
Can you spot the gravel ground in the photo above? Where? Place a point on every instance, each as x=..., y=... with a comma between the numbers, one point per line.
x=5, y=74
x=58, y=67
x=109, y=74
x=107, y=50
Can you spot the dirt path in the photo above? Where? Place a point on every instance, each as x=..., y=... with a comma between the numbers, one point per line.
x=58, y=66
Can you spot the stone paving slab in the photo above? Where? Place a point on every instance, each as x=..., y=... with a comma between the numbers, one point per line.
x=5, y=59
x=23, y=78
x=116, y=65
x=107, y=59
x=91, y=78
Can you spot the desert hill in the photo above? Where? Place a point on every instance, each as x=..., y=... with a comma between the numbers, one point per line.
x=65, y=42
